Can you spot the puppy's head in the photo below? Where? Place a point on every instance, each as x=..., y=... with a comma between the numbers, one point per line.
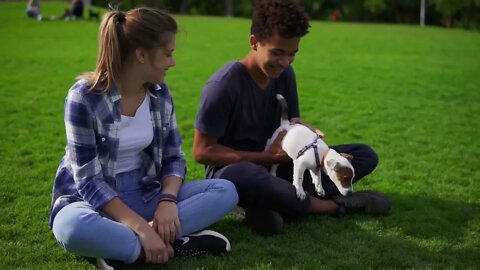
x=340, y=170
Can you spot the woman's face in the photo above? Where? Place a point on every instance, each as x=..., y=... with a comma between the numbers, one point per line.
x=159, y=60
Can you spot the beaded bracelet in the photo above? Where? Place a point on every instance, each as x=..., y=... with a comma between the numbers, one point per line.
x=167, y=197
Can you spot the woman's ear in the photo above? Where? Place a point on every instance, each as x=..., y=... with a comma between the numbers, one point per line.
x=140, y=55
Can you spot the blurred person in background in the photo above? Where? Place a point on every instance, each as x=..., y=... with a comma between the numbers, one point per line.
x=33, y=10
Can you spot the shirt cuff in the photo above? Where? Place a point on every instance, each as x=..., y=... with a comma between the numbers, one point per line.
x=174, y=168
x=97, y=192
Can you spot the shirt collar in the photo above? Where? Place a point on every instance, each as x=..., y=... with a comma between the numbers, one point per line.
x=114, y=95
x=152, y=89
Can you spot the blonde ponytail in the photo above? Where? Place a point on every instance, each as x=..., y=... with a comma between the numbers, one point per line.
x=119, y=35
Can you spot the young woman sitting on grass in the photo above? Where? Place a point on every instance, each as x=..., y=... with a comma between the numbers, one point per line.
x=119, y=192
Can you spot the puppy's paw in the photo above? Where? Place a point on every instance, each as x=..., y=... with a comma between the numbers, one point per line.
x=301, y=194
x=320, y=191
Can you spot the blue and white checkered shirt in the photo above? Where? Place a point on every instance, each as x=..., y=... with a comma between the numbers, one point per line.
x=92, y=120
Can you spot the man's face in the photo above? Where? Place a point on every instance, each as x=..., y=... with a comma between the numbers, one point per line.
x=275, y=54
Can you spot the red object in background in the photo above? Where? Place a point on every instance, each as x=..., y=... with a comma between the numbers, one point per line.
x=335, y=15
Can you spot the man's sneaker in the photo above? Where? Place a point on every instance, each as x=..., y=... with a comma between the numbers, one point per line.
x=369, y=202
x=264, y=221
x=201, y=243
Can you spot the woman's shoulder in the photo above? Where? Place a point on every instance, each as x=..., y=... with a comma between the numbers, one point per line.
x=82, y=85
x=81, y=91
x=80, y=88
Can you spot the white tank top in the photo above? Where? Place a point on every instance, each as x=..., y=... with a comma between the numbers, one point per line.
x=135, y=134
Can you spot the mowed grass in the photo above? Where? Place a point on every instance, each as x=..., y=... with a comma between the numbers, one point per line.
x=411, y=93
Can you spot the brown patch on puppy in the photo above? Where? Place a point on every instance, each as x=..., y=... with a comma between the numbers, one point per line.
x=344, y=175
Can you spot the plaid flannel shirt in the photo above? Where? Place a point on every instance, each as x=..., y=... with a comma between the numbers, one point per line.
x=92, y=120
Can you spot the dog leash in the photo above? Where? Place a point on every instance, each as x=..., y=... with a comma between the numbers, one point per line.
x=314, y=145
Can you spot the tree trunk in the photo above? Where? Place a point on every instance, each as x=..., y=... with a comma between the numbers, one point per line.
x=229, y=8
x=184, y=6
x=150, y=3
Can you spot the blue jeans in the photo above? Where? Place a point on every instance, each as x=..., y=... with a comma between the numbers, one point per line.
x=80, y=229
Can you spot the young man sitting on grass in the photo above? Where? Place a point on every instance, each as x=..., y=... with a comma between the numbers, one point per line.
x=239, y=112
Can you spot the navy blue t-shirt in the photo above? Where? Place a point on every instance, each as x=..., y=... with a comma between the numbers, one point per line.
x=242, y=115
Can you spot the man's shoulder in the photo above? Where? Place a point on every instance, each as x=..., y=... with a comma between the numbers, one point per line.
x=227, y=80
x=227, y=72
x=288, y=73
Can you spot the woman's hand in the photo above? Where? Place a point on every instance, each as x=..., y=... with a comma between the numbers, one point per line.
x=166, y=222
x=154, y=248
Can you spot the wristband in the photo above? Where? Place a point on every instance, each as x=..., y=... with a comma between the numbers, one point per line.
x=167, y=197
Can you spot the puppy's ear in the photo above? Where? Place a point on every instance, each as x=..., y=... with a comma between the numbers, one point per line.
x=332, y=164
x=347, y=156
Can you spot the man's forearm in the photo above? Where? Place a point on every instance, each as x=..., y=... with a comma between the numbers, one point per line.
x=219, y=155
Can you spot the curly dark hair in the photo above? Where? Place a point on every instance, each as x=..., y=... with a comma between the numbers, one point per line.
x=285, y=17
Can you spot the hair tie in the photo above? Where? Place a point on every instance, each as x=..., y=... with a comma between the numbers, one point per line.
x=121, y=17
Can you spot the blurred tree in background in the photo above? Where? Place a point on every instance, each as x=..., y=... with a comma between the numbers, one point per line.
x=448, y=13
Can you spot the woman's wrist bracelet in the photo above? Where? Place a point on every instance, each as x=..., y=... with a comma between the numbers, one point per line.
x=165, y=197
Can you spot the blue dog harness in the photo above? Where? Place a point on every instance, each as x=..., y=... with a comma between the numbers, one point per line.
x=314, y=145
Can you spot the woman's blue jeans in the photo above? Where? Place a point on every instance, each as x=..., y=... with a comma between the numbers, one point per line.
x=80, y=229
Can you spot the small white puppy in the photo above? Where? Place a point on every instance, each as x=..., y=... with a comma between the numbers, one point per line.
x=309, y=151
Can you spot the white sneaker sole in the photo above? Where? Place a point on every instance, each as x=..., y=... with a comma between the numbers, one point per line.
x=102, y=265
x=213, y=233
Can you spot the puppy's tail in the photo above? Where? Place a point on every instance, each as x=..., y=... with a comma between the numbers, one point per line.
x=284, y=106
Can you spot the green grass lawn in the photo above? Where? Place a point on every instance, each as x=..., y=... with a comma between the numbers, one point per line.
x=411, y=93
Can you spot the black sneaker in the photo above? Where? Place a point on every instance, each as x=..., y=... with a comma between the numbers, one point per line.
x=201, y=243
x=264, y=221
x=369, y=202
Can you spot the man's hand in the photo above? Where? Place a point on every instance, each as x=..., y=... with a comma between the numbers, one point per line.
x=320, y=133
x=294, y=121
x=276, y=150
